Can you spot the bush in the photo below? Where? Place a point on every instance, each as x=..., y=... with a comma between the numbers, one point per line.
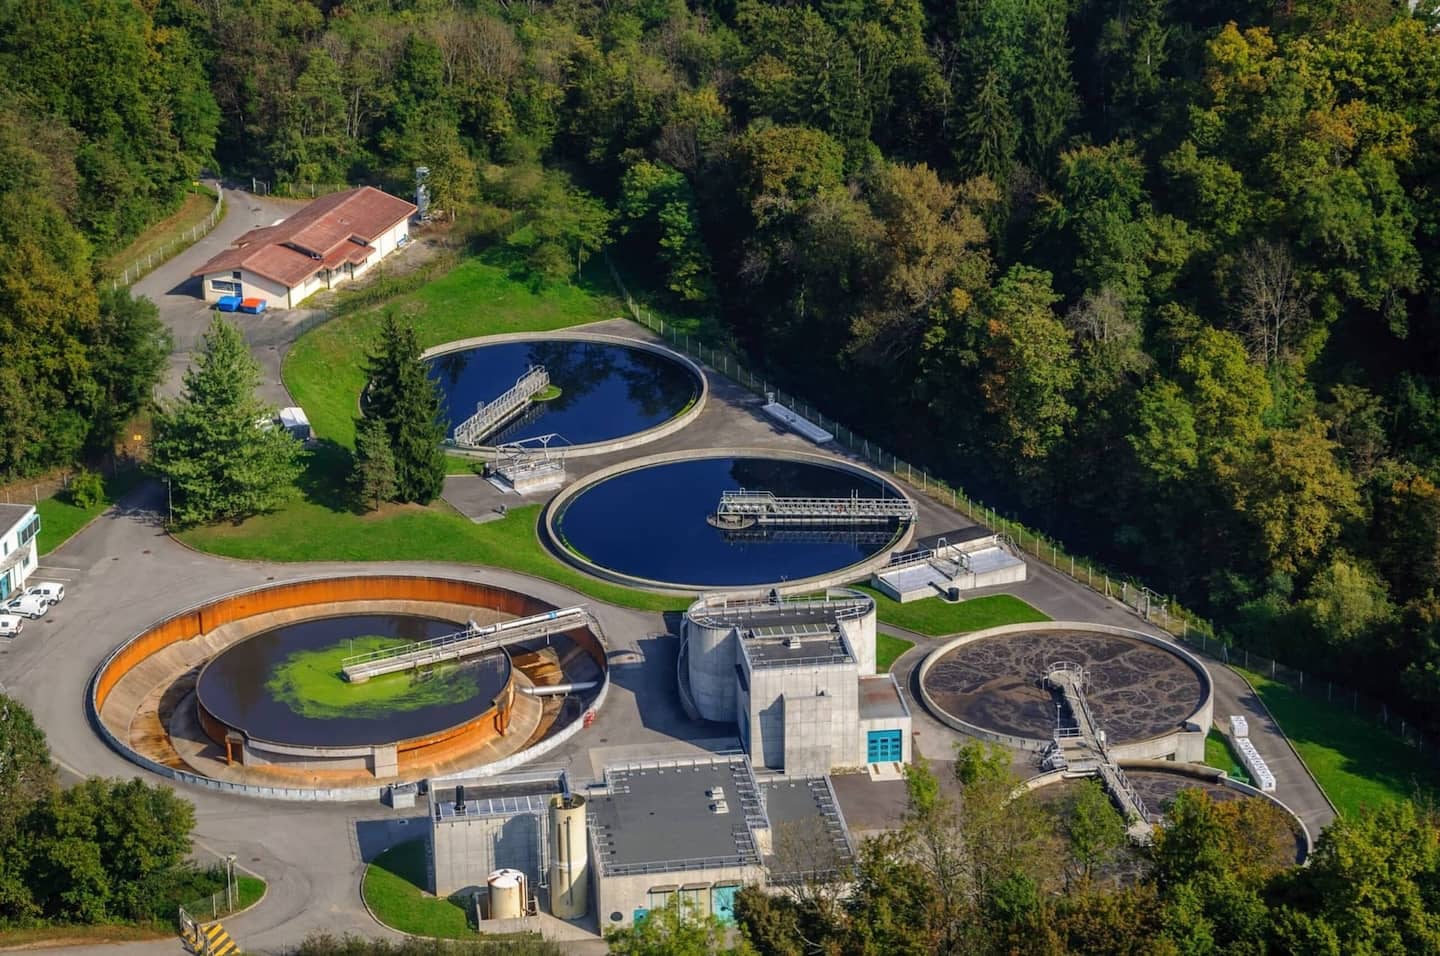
x=87, y=490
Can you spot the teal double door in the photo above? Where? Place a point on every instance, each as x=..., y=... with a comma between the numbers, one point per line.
x=884, y=746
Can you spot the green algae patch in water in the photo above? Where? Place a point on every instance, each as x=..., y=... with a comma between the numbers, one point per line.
x=312, y=684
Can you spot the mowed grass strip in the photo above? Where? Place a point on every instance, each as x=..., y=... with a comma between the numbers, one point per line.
x=888, y=648
x=1219, y=755
x=306, y=531
x=60, y=520
x=937, y=618
x=1357, y=762
x=394, y=891
x=324, y=370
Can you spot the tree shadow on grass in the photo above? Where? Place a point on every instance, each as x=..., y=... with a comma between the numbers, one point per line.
x=325, y=479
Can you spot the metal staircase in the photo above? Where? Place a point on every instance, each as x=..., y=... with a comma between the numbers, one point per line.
x=1082, y=749
x=489, y=417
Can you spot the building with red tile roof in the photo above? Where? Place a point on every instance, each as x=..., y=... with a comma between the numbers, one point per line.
x=330, y=241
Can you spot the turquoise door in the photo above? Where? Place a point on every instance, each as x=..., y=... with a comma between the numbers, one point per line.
x=883, y=746
x=722, y=903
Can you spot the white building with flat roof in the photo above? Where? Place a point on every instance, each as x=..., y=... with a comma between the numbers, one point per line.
x=19, y=554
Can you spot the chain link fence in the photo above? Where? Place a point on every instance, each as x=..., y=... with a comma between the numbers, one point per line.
x=1156, y=609
x=140, y=267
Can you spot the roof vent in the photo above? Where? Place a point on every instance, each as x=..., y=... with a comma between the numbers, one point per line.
x=716, y=793
x=719, y=806
x=792, y=642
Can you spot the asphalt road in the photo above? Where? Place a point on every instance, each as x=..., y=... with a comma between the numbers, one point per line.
x=183, y=310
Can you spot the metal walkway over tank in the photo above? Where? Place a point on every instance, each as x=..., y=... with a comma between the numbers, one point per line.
x=742, y=509
x=489, y=417
x=467, y=643
x=1082, y=748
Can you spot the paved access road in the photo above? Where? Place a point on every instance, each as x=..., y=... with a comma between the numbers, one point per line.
x=184, y=312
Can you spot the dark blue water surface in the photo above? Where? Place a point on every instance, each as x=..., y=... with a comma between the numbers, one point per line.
x=232, y=686
x=651, y=523
x=606, y=391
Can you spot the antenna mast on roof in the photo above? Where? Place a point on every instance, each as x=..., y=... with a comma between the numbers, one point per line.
x=422, y=193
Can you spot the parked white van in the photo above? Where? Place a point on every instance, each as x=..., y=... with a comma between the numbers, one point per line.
x=47, y=591
x=10, y=625
x=26, y=605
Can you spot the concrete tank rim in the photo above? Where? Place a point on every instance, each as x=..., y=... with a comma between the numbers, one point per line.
x=837, y=577
x=322, y=794
x=1197, y=771
x=1207, y=684
x=643, y=437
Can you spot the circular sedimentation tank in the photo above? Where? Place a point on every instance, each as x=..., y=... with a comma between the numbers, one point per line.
x=286, y=686
x=651, y=522
x=1138, y=688
x=602, y=390
x=248, y=690
x=1282, y=832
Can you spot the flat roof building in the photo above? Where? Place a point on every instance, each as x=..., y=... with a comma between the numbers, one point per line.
x=688, y=829
x=798, y=678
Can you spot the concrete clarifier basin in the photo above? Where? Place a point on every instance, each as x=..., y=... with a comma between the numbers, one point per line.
x=142, y=698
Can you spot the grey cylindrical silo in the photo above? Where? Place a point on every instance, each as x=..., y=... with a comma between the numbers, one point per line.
x=711, y=648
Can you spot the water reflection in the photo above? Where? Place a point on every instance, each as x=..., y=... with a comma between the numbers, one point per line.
x=651, y=523
x=606, y=391
x=232, y=686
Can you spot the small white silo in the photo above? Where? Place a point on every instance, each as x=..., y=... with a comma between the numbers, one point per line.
x=507, y=894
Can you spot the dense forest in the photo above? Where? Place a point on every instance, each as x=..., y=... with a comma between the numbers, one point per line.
x=1156, y=277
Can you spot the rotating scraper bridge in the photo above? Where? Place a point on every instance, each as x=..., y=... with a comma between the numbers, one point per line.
x=744, y=509
x=1081, y=749
x=467, y=643
x=490, y=416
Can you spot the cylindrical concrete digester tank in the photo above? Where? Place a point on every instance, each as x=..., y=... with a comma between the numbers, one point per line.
x=569, y=857
x=710, y=645
x=507, y=894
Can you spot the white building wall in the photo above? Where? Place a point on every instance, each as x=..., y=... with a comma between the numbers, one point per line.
x=13, y=579
x=464, y=852
x=860, y=635
x=252, y=286
x=622, y=895
x=777, y=691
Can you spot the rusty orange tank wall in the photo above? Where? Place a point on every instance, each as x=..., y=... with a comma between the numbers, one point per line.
x=282, y=597
x=215, y=728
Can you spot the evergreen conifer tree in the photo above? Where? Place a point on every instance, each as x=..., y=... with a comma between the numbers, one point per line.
x=402, y=397
x=374, y=476
x=214, y=445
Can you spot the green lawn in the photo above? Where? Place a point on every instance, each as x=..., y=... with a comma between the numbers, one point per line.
x=480, y=296
x=887, y=648
x=936, y=618
x=1357, y=761
x=393, y=889
x=1219, y=755
x=250, y=889
x=312, y=528
x=60, y=520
